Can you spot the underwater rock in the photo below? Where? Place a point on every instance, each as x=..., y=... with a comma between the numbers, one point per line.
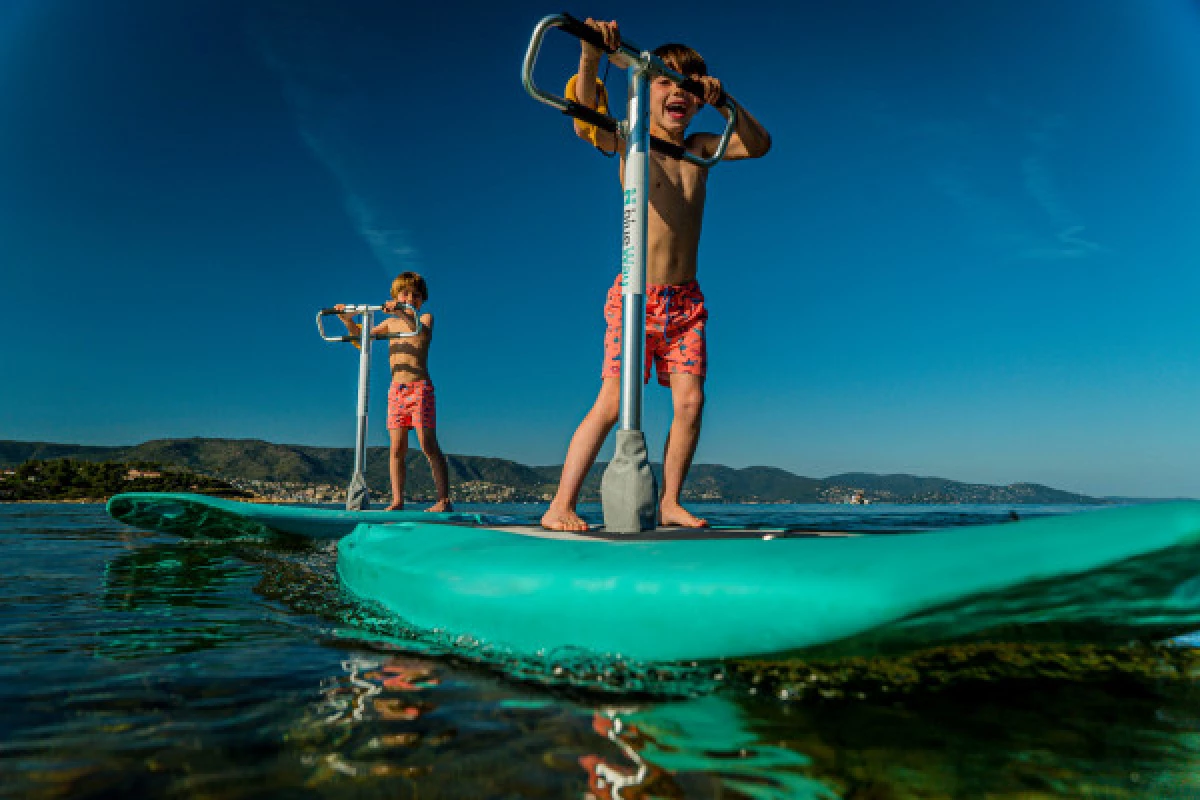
x=969, y=668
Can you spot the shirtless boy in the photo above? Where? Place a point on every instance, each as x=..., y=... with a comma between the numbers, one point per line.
x=675, y=313
x=410, y=398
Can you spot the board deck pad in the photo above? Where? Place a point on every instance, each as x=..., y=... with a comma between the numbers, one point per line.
x=670, y=533
x=196, y=515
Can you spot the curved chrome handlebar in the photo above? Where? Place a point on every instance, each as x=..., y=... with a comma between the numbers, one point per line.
x=639, y=59
x=366, y=309
x=561, y=103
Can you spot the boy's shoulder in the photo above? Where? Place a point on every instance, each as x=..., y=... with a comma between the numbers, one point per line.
x=401, y=325
x=701, y=143
x=426, y=318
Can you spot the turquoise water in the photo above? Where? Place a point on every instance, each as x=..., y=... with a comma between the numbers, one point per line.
x=137, y=664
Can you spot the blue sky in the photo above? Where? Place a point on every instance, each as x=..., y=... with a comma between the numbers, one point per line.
x=972, y=252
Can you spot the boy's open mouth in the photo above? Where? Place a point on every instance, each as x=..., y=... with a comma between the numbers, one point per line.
x=677, y=109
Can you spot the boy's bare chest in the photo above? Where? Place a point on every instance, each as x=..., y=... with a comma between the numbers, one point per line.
x=672, y=179
x=677, y=184
x=671, y=174
x=409, y=349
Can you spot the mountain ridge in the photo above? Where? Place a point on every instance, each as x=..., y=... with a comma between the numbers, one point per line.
x=258, y=460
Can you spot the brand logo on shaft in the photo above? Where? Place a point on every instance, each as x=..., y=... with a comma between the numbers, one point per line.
x=628, y=220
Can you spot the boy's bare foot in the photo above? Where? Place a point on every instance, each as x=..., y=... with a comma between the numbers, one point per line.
x=440, y=506
x=556, y=519
x=674, y=514
x=396, y=506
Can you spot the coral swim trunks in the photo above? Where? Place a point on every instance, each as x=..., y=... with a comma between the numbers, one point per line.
x=411, y=405
x=675, y=322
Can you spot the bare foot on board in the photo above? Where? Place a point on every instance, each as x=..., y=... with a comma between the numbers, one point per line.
x=440, y=506
x=563, y=520
x=674, y=514
x=396, y=506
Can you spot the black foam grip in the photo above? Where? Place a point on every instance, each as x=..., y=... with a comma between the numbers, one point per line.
x=580, y=29
x=666, y=148
x=590, y=115
x=693, y=86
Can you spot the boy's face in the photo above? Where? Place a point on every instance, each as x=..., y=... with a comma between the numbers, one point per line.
x=409, y=296
x=671, y=108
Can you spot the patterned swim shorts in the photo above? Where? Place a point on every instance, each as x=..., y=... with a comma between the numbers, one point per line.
x=675, y=323
x=411, y=405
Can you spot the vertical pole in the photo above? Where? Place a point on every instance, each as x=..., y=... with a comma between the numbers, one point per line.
x=628, y=492
x=364, y=391
x=357, y=497
x=633, y=252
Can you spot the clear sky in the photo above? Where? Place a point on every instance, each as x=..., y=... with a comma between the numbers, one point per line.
x=973, y=251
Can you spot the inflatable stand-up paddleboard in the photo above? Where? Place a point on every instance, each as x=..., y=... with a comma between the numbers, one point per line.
x=1106, y=577
x=198, y=515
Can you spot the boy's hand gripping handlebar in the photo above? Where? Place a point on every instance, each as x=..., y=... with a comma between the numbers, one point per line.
x=640, y=59
x=364, y=309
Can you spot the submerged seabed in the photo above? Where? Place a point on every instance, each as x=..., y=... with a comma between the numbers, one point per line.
x=144, y=665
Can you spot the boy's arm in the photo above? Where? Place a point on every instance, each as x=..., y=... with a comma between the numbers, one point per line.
x=405, y=314
x=348, y=320
x=352, y=327
x=403, y=323
x=585, y=85
x=749, y=139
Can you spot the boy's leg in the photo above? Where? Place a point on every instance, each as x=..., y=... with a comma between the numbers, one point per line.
x=427, y=438
x=581, y=455
x=399, y=450
x=687, y=398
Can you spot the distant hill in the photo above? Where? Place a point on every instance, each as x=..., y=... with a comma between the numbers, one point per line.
x=252, y=459
x=90, y=481
x=890, y=488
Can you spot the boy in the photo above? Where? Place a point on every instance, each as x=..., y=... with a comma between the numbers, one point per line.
x=675, y=313
x=410, y=398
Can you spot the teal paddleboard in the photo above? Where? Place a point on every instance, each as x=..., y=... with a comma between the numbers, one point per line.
x=1109, y=576
x=214, y=517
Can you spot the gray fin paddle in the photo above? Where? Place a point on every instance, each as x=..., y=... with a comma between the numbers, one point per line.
x=628, y=489
x=357, y=496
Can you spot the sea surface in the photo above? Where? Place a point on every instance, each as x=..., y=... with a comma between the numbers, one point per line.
x=134, y=664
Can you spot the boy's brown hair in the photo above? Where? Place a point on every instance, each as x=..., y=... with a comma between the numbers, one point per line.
x=681, y=58
x=410, y=280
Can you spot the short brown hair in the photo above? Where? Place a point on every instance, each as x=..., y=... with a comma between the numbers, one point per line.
x=410, y=280
x=681, y=58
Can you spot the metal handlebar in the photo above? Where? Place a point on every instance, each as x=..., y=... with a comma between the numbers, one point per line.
x=640, y=59
x=366, y=309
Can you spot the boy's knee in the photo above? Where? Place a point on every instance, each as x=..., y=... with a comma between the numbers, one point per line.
x=689, y=403
x=609, y=411
x=608, y=405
